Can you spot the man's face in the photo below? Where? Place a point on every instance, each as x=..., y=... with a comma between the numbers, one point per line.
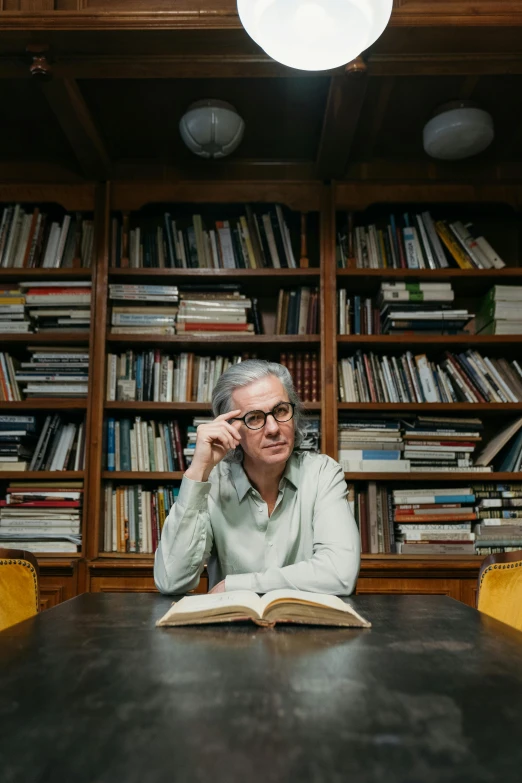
x=273, y=443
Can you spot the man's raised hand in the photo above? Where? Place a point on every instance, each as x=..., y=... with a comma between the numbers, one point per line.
x=213, y=441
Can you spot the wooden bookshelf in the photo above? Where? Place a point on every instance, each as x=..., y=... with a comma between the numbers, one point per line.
x=383, y=573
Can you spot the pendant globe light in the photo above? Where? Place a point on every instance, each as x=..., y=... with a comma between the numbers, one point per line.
x=314, y=35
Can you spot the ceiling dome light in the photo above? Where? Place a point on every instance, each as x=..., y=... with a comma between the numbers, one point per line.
x=458, y=130
x=314, y=35
x=211, y=129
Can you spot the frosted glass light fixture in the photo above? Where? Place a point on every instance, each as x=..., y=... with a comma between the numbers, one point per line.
x=314, y=35
x=458, y=130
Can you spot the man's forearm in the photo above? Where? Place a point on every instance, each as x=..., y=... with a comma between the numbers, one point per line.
x=184, y=540
x=326, y=572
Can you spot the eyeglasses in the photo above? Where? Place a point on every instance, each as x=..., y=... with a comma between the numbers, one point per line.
x=256, y=420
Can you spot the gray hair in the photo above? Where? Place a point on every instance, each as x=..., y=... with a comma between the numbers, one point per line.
x=245, y=373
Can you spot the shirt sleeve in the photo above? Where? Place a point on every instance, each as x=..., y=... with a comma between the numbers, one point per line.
x=186, y=539
x=334, y=565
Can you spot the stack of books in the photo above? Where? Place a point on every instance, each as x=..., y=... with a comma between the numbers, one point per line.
x=298, y=311
x=134, y=517
x=146, y=446
x=422, y=444
x=434, y=521
x=154, y=376
x=500, y=311
x=42, y=516
x=217, y=310
x=55, y=372
x=420, y=307
x=499, y=518
x=13, y=317
x=58, y=305
x=463, y=377
x=16, y=441
x=156, y=313
x=32, y=239
x=434, y=443
x=417, y=242
x=9, y=389
x=249, y=241
x=305, y=371
x=370, y=445
x=60, y=445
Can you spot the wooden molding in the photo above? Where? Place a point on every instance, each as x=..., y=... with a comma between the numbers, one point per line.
x=222, y=14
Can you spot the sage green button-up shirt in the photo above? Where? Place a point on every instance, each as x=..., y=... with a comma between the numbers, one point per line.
x=310, y=542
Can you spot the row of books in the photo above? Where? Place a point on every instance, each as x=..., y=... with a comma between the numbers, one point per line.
x=45, y=307
x=54, y=444
x=140, y=445
x=155, y=376
x=500, y=311
x=50, y=372
x=416, y=242
x=403, y=307
x=462, y=377
x=477, y=519
x=423, y=443
x=250, y=241
x=134, y=517
x=304, y=368
x=297, y=311
x=33, y=239
x=42, y=516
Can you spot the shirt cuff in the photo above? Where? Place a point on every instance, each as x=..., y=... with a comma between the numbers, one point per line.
x=193, y=494
x=238, y=582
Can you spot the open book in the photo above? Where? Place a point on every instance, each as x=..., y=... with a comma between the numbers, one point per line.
x=277, y=606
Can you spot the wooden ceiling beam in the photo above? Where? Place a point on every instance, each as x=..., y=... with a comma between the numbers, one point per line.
x=230, y=66
x=468, y=64
x=341, y=118
x=73, y=115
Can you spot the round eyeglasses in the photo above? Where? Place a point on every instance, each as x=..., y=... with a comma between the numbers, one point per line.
x=256, y=420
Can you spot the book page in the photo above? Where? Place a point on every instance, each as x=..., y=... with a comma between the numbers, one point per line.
x=320, y=599
x=215, y=603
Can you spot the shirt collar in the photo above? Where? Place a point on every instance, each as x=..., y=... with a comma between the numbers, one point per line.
x=242, y=484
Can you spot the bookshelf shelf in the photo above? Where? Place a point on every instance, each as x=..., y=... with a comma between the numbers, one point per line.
x=491, y=276
x=472, y=340
x=59, y=404
x=446, y=476
x=42, y=475
x=39, y=273
x=489, y=408
x=179, y=341
x=47, y=338
x=141, y=475
x=187, y=407
x=216, y=275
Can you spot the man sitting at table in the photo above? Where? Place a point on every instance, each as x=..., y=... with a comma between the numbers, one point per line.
x=259, y=512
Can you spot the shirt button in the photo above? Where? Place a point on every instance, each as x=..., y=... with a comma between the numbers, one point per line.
x=270, y=543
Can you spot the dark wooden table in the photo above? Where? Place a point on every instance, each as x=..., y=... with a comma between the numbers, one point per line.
x=92, y=692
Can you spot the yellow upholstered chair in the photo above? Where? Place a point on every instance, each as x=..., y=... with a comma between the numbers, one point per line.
x=19, y=597
x=500, y=588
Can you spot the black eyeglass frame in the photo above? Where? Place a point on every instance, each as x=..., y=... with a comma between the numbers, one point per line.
x=270, y=413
